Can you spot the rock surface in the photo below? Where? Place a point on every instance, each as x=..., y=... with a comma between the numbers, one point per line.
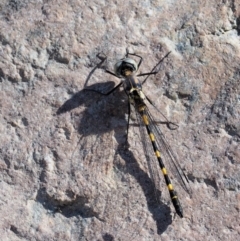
x=65, y=171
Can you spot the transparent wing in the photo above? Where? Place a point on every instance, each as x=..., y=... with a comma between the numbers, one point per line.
x=169, y=158
x=152, y=163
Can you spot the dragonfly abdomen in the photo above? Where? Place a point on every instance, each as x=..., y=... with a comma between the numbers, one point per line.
x=172, y=192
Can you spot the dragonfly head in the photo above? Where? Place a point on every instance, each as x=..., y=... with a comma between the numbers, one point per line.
x=125, y=67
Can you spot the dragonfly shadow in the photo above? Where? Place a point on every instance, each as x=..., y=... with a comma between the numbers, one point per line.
x=160, y=211
x=94, y=120
x=103, y=114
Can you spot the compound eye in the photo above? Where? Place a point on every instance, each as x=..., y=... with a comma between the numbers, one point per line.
x=118, y=67
x=124, y=64
x=132, y=62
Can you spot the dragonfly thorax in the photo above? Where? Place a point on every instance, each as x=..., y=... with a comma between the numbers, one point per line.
x=137, y=94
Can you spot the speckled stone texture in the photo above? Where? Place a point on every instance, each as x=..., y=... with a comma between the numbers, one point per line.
x=66, y=173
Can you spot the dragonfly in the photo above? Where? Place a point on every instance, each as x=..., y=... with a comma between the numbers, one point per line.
x=126, y=70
